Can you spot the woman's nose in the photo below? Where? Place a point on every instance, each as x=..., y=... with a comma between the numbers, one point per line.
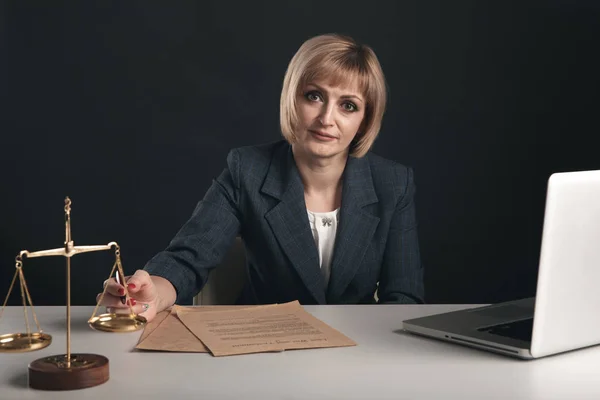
x=326, y=116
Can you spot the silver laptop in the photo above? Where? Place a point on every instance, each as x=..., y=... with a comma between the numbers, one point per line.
x=564, y=315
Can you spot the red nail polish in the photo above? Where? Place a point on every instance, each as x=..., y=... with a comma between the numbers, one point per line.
x=133, y=302
x=130, y=286
x=121, y=292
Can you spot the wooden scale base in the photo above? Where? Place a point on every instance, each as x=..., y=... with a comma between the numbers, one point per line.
x=52, y=373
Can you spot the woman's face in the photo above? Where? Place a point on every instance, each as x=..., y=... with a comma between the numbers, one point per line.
x=329, y=118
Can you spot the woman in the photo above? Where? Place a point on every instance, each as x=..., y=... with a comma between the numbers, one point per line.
x=323, y=220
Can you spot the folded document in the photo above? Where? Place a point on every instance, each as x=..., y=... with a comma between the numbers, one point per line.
x=231, y=330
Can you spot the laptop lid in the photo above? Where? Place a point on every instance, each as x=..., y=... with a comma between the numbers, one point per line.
x=567, y=305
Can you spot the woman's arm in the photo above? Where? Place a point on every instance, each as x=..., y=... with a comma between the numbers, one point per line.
x=401, y=278
x=204, y=239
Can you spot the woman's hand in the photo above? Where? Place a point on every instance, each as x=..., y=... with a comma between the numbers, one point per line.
x=144, y=292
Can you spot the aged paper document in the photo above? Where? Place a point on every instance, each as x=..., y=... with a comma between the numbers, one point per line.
x=152, y=325
x=261, y=329
x=166, y=332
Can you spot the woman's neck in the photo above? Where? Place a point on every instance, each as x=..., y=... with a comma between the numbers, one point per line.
x=322, y=179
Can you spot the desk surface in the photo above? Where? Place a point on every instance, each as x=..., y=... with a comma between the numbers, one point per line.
x=386, y=364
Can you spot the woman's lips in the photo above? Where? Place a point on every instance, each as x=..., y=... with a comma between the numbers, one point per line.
x=322, y=136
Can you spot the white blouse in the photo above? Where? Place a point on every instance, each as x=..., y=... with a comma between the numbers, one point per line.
x=324, y=228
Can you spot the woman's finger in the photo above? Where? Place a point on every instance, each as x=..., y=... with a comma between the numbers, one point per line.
x=140, y=280
x=114, y=288
x=113, y=301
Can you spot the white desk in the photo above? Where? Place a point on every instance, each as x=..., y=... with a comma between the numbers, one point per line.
x=386, y=364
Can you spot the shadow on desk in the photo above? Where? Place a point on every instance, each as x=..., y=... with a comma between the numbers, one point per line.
x=404, y=333
x=453, y=346
x=18, y=380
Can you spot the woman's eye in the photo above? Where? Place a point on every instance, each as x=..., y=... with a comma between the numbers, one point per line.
x=349, y=107
x=312, y=96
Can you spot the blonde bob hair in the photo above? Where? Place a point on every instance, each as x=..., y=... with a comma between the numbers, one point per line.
x=340, y=60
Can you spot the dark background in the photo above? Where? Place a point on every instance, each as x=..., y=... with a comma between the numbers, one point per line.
x=130, y=107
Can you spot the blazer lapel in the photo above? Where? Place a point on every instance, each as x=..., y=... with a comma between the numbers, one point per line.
x=356, y=227
x=289, y=221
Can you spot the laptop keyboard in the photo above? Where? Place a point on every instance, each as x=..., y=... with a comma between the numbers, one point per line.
x=520, y=330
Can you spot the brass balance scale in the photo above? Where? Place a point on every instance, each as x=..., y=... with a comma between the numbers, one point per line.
x=67, y=371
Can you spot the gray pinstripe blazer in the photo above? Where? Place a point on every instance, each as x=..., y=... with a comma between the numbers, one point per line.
x=260, y=197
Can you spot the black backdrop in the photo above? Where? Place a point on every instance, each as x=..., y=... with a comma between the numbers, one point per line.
x=130, y=107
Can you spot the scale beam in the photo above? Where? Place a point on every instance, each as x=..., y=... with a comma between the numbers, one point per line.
x=67, y=253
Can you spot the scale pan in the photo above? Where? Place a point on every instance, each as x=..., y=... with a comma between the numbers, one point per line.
x=117, y=322
x=22, y=342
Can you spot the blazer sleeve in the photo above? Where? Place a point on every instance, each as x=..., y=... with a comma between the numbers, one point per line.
x=401, y=279
x=203, y=241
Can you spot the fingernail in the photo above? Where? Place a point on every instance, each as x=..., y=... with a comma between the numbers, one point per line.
x=132, y=302
x=131, y=286
x=121, y=292
x=123, y=300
